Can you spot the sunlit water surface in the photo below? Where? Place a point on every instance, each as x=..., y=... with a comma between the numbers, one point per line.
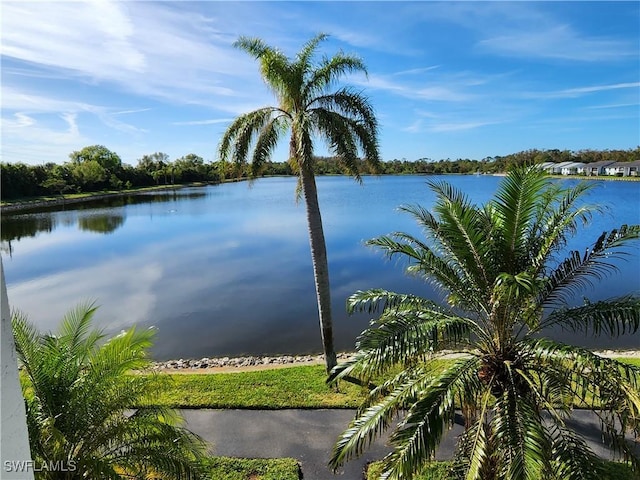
x=226, y=270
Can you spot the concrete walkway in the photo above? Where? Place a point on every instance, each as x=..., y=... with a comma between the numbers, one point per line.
x=309, y=436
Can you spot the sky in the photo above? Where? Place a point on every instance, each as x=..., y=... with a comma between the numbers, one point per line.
x=446, y=80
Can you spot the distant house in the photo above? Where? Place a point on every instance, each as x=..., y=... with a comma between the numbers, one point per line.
x=624, y=169
x=595, y=168
x=631, y=169
x=546, y=166
x=616, y=169
x=556, y=169
x=620, y=169
x=571, y=168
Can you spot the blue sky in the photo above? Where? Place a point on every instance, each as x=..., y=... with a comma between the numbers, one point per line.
x=447, y=80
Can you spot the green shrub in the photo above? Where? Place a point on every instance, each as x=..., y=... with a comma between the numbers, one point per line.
x=224, y=468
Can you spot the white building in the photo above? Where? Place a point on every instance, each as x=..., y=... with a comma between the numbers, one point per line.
x=570, y=168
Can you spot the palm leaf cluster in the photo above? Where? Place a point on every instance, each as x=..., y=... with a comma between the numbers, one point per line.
x=79, y=391
x=507, y=277
x=307, y=108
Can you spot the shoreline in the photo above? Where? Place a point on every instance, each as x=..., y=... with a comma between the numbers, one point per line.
x=27, y=205
x=256, y=362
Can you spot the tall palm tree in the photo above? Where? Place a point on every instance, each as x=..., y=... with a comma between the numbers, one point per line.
x=507, y=278
x=79, y=392
x=308, y=109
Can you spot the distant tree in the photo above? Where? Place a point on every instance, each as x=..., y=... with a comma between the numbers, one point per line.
x=190, y=168
x=108, y=160
x=89, y=175
x=306, y=107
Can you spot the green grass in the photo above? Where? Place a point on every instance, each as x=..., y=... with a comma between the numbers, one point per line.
x=434, y=471
x=631, y=361
x=294, y=387
x=223, y=468
x=440, y=471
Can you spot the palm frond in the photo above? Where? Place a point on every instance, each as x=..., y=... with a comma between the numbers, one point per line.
x=403, y=335
x=330, y=70
x=370, y=422
x=515, y=207
x=433, y=411
x=613, y=317
x=377, y=300
x=523, y=442
x=239, y=136
x=577, y=270
x=267, y=141
x=439, y=270
x=560, y=212
x=572, y=457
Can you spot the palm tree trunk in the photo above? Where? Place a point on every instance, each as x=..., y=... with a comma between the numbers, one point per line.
x=320, y=264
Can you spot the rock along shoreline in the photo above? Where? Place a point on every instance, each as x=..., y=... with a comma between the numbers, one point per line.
x=243, y=362
x=231, y=363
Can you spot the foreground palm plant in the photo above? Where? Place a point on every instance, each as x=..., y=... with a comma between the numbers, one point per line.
x=79, y=391
x=507, y=277
x=309, y=110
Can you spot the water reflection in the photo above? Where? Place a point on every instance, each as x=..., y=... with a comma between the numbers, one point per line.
x=101, y=223
x=226, y=270
x=17, y=227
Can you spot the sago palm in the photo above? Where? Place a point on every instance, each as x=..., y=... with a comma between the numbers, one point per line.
x=309, y=110
x=80, y=390
x=507, y=277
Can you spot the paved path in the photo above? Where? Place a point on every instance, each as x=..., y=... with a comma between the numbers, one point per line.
x=309, y=435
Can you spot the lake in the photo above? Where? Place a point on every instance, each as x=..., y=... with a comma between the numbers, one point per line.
x=225, y=270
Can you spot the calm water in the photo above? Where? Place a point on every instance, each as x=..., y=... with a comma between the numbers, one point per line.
x=226, y=270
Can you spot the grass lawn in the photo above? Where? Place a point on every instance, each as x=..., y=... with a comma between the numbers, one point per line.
x=440, y=471
x=293, y=387
x=223, y=468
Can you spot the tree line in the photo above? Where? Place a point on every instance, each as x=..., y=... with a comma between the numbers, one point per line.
x=95, y=168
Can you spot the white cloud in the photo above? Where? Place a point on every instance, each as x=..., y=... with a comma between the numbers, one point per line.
x=143, y=47
x=437, y=90
x=212, y=121
x=582, y=91
x=414, y=71
x=454, y=127
x=558, y=42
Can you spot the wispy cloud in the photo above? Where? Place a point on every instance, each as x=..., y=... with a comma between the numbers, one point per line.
x=26, y=139
x=204, y=122
x=414, y=71
x=165, y=52
x=558, y=42
x=582, y=91
x=615, y=105
x=127, y=112
x=436, y=90
x=455, y=127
